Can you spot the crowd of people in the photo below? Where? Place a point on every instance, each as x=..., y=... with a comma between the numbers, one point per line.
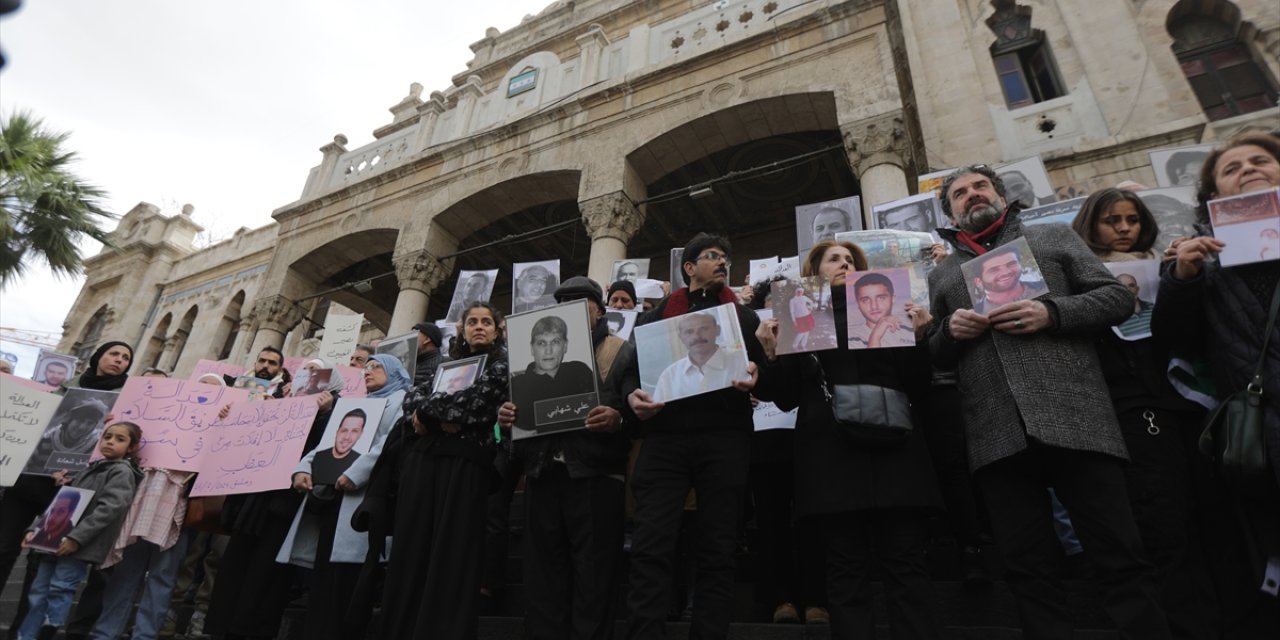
x=1030, y=427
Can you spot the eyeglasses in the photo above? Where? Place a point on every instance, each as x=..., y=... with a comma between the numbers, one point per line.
x=372, y=365
x=715, y=256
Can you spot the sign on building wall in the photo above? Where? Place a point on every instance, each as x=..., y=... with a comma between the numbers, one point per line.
x=522, y=82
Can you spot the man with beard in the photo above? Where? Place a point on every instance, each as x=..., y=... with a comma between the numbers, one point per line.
x=706, y=367
x=269, y=366
x=1001, y=280
x=627, y=271
x=55, y=373
x=1038, y=413
x=328, y=464
x=700, y=442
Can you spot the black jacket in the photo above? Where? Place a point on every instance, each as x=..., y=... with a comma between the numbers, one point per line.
x=424, y=371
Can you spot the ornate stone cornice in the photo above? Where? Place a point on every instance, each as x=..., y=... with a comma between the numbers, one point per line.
x=875, y=141
x=276, y=313
x=420, y=271
x=612, y=215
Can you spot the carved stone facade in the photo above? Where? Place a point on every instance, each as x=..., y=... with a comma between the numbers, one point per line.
x=601, y=116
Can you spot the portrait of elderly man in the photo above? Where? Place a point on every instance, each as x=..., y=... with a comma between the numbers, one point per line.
x=549, y=375
x=630, y=270
x=534, y=288
x=707, y=367
x=998, y=275
x=829, y=222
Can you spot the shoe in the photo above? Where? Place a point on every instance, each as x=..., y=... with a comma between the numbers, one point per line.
x=785, y=613
x=195, y=628
x=816, y=615
x=170, y=627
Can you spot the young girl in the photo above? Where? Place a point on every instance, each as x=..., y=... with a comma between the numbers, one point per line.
x=113, y=481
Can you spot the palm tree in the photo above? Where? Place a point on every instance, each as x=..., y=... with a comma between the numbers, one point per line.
x=45, y=209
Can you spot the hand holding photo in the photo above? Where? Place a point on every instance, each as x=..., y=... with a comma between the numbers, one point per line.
x=1005, y=274
x=806, y=320
x=691, y=354
x=59, y=518
x=1249, y=225
x=347, y=436
x=1142, y=279
x=877, y=313
x=458, y=375
x=553, y=374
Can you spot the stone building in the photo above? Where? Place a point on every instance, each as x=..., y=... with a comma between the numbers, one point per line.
x=603, y=129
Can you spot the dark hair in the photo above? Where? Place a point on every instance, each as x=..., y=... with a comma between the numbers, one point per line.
x=460, y=348
x=1008, y=248
x=980, y=169
x=1097, y=206
x=271, y=349
x=359, y=413
x=871, y=280
x=1208, y=187
x=760, y=291
x=60, y=363
x=135, y=437
x=72, y=497
x=615, y=316
x=366, y=348
x=812, y=262
x=158, y=370
x=1180, y=159
x=697, y=245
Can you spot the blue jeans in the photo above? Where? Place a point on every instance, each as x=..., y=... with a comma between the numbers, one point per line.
x=160, y=567
x=51, y=594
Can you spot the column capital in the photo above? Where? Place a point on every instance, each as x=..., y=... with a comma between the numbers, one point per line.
x=612, y=215
x=276, y=313
x=420, y=270
x=874, y=141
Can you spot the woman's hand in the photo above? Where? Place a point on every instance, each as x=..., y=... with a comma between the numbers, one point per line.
x=302, y=481
x=1192, y=254
x=418, y=427
x=767, y=334
x=507, y=414
x=324, y=400
x=344, y=483
x=26, y=540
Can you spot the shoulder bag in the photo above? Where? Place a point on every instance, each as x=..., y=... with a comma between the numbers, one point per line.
x=868, y=414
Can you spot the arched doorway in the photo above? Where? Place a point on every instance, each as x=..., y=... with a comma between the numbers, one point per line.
x=155, y=346
x=228, y=327
x=91, y=335
x=355, y=271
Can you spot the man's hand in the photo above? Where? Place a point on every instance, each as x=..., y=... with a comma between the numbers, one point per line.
x=643, y=405
x=750, y=383
x=344, y=483
x=938, y=252
x=967, y=324
x=68, y=547
x=1191, y=255
x=1020, y=318
x=302, y=481
x=604, y=419
x=287, y=388
x=325, y=400
x=507, y=414
x=887, y=323
x=767, y=334
x=920, y=319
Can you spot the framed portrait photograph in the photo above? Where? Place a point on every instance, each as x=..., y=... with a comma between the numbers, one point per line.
x=533, y=285
x=403, y=347
x=472, y=286
x=1142, y=279
x=630, y=270
x=823, y=220
x=347, y=436
x=1174, y=209
x=806, y=320
x=553, y=369
x=621, y=321
x=73, y=431
x=1249, y=224
x=1005, y=274
x=691, y=354
x=1179, y=166
x=876, y=315
x=456, y=375
x=59, y=518
x=1026, y=181
x=54, y=369
x=919, y=213
x=1061, y=212
x=449, y=333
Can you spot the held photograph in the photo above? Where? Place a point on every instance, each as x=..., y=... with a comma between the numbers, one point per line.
x=533, y=285
x=458, y=375
x=1062, y=212
x=630, y=269
x=347, y=436
x=472, y=286
x=1174, y=209
x=823, y=220
x=54, y=369
x=877, y=316
x=691, y=354
x=1008, y=273
x=553, y=373
x=1179, y=166
x=920, y=212
x=1026, y=181
x=403, y=347
x=621, y=321
x=59, y=518
x=73, y=432
x=806, y=320
x=1142, y=279
x=1249, y=225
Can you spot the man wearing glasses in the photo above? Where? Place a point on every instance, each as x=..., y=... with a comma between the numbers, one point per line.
x=700, y=442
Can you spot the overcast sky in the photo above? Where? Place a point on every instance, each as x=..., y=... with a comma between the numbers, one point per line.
x=222, y=105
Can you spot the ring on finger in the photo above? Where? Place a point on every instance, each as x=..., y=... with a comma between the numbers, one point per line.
x=1017, y=324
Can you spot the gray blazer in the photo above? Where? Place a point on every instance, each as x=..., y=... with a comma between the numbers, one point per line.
x=1046, y=387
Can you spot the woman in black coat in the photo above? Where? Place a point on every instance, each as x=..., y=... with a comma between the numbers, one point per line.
x=871, y=501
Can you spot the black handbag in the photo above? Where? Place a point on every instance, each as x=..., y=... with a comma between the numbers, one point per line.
x=1232, y=435
x=868, y=414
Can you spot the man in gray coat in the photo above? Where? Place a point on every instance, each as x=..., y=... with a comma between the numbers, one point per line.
x=1037, y=411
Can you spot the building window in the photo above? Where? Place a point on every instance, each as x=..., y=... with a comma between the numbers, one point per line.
x=1023, y=61
x=1224, y=76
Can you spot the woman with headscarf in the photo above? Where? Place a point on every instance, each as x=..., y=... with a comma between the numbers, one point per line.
x=321, y=536
x=252, y=589
x=436, y=500
x=107, y=371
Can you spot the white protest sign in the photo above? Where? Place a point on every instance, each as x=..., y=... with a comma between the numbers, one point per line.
x=341, y=334
x=24, y=412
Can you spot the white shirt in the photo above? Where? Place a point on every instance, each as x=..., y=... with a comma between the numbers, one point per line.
x=683, y=378
x=860, y=337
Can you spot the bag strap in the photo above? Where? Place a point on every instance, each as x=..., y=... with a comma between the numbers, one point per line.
x=822, y=378
x=1256, y=385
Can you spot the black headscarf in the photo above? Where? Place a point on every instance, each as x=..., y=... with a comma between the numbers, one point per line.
x=90, y=378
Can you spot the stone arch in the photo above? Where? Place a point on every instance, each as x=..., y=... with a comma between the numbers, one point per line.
x=155, y=345
x=228, y=327
x=354, y=270
x=177, y=343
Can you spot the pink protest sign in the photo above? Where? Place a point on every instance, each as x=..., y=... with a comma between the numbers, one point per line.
x=292, y=364
x=6, y=380
x=175, y=417
x=220, y=368
x=352, y=382
x=254, y=448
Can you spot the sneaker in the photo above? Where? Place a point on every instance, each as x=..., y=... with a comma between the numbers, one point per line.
x=816, y=615
x=785, y=613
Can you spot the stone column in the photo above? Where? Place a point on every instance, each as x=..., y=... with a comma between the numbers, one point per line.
x=612, y=220
x=418, y=273
x=877, y=149
x=166, y=354
x=591, y=44
x=275, y=315
x=243, y=336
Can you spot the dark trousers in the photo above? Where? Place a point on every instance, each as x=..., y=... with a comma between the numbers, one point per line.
x=894, y=539
x=945, y=437
x=497, y=527
x=573, y=547
x=1092, y=487
x=788, y=556
x=714, y=464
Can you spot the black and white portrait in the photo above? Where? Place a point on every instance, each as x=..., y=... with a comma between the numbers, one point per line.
x=1174, y=209
x=449, y=332
x=621, y=321
x=73, y=432
x=54, y=369
x=1179, y=166
x=1026, y=181
x=533, y=285
x=553, y=376
x=823, y=220
x=677, y=268
x=630, y=269
x=403, y=347
x=920, y=212
x=472, y=286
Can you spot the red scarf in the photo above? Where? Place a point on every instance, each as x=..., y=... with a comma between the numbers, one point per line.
x=678, y=303
x=974, y=240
